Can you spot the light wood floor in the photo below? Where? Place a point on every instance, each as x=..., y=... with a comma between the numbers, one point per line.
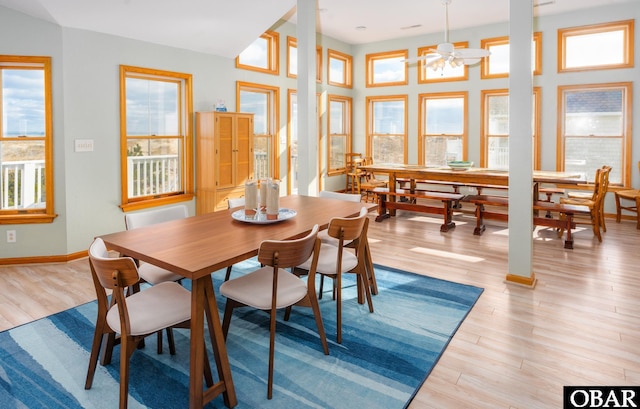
x=518, y=346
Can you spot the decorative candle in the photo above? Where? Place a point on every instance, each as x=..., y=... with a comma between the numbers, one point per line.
x=250, y=197
x=263, y=193
x=273, y=199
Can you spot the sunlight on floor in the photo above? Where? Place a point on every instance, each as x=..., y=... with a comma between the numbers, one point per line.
x=447, y=254
x=433, y=220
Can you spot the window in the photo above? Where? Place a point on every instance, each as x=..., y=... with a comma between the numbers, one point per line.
x=600, y=46
x=262, y=55
x=26, y=142
x=496, y=65
x=436, y=73
x=263, y=101
x=156, y=142
x=442, y=128
x=339, y=142
x=595, y=130
x=292, y=59
x=387, y=68
x=339, y=69
x=387, y=129
x=494, y=138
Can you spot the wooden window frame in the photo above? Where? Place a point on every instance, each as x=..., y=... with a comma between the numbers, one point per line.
x=627, y=137
x=185, y=128
x=273, y=116
x=370, y=100
x=627, y=26
x=422, y=69
x=292, y=42
x=422, y=140
x=484, y=125
x=371, y=59
x=347, y=75
x=347, y=126
x=487, y=43
x=46, y=214
x=273, y=55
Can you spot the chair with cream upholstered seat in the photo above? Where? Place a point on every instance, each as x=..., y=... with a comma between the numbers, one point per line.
x=150, y=273
x=133, y=317
x=271, y=287
x=337, y=260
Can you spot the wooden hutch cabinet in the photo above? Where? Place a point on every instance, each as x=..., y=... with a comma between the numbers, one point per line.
x=224, y=158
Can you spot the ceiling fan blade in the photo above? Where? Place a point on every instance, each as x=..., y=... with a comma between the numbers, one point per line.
x=420, y=58
x=471, y=61
x=471, y=53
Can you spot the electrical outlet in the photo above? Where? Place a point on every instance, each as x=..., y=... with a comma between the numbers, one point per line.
x=11, y=236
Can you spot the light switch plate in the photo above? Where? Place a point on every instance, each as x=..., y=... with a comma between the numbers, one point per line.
x=84, y=145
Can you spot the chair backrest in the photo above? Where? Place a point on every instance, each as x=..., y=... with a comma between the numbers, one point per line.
x=236, y=202
x=111, y=272
x=602, y=185
x=350, y=197
x=348, y=228
x=288, y=253
x=149, y=217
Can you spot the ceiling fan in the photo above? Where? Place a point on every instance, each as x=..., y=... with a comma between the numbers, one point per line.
x=446, y=53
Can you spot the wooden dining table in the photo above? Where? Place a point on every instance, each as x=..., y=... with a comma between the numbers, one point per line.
x=471, y=176
x=197, y=246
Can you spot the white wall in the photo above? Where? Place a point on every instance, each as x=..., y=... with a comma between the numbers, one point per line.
x=86, y=106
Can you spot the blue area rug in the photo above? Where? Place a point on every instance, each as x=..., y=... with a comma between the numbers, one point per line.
x=382, y=361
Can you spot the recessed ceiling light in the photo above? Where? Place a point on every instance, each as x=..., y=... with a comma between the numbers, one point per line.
x=361, y=28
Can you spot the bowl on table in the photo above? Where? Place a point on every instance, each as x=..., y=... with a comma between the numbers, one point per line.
x=460, y=164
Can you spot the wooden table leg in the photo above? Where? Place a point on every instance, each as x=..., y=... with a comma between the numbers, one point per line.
x=448, y=217
x=203, y=303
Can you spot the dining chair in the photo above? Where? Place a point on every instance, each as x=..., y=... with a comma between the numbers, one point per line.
x=370, y=182
x=271, y=287
x=133, y=317
x=352, y=161
x=148, y=272
x=325, y=238
x=632, y=195
x=595, y=203
x=337, y=260
x=582, y=197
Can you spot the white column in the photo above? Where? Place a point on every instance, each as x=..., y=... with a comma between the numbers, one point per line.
x=520, y=143
x=307, y=110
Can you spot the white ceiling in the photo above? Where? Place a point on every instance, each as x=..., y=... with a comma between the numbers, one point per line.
x=225, y=28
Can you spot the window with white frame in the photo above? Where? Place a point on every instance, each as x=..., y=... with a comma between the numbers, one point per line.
x=443, y=128
x=496, y=65
x=262, y=101
x=339, y=69
x=339, y=141
x=494, y=138
x=595, y=129
x=387, y=128
x=156, y=152
x=262, y=55
x=26, y=140
x=613, y=42
x=387, y=68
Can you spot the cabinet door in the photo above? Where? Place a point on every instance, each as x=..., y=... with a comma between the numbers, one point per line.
x=244, y=148
x=225, y=150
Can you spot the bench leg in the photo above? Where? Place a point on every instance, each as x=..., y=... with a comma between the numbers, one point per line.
x=479, y=220
x=448, y=216
x=382, y=208
x=568, y=243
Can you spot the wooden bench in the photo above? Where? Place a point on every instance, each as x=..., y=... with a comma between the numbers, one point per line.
x=448, y=201
x=564, y=220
